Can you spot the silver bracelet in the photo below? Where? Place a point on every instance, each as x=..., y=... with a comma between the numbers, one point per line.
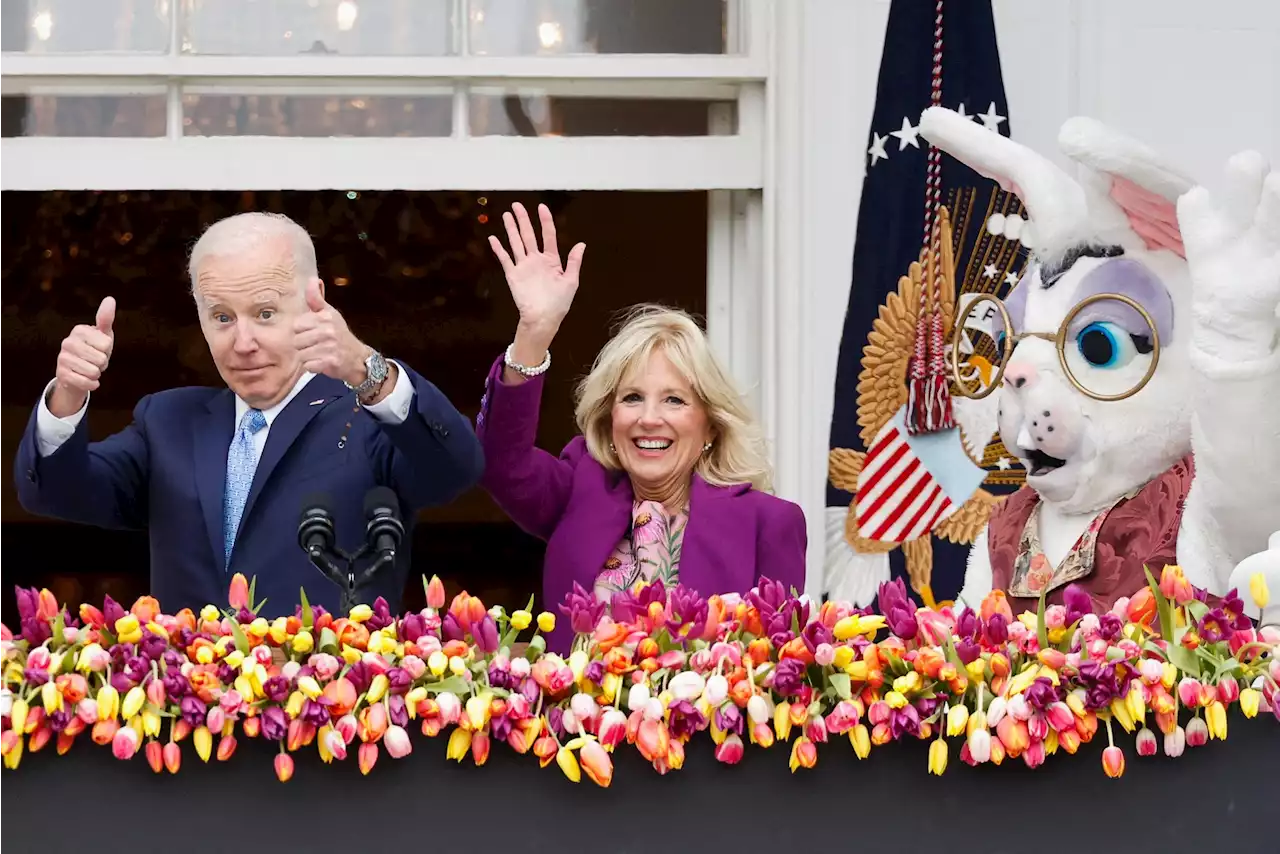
x=522, y=369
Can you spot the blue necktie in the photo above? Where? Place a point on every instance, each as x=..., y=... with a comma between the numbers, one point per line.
x=241, y=464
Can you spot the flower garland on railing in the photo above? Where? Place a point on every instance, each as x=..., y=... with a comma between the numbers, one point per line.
x=652, y=670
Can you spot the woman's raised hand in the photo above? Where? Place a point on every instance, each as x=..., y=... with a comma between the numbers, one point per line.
x=542, y=289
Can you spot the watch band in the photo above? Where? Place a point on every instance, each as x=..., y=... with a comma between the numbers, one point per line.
x=377, y=371
x=525, y=370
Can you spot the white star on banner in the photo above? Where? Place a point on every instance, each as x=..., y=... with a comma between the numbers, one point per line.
x=991, y=119
x=1004, y=464
x=907, y=135
x=961, y=113
x=1011, y=279
x=876, y=150
x=989, y=271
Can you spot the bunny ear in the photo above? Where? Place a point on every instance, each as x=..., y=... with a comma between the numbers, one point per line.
x=1142, y=184
x=1057, y=204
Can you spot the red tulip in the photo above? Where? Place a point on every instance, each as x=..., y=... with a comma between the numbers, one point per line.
x=284, y=767
x=172, y=755
x=238, y=594
x=1113, y=761
x=154, y=756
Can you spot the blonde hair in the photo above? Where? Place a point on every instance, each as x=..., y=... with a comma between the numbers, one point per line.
x=737, y=453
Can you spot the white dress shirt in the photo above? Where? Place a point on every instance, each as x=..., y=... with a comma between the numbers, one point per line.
x=52, y=431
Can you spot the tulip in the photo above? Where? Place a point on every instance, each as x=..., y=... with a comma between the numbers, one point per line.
x=758, y=709
x=435, y=593
x=569, y=764
x=717, y=689
x=153, y=753
x=546, y=622
x=1013, y=735
x=653, y=739
x=730, y=750
x=597, y=764
x=132, y=702
x=1060, y=717
x=979, y=743
x=638, y=697
x=1036, y=752
x=1258, y=590
x=1019, y=708
x=1197, y=732
x=1250, y=701
x=804, y=754
x=284, y=767
x=545, y=749
x=480, y=747
x=521, y=620
x=450, y=707
x=65, y=741
x=1146, y=742
x=1228, y=690
x=782, y=720
x=367, y=757
x=687, y=685
x=763, y=736
x=40, y=737
x=238, y=593
x=612, y=729
x=1113, y=761
x=1216, y=716
x=996, y=711
x=1175, y=742
x=459, y=744
x=104, y=731
x=171, y=754
x=204, y=742
x=861, y=741
x=957, y=718
x=87, y=710
x=843, y=717
x=124, y=743
x=937, y=757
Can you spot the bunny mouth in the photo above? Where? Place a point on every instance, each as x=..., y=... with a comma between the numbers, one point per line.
x=1039, y=464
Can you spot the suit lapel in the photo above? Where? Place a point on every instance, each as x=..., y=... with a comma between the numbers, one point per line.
x=709, y=516
x=286, y=428
x=212, y=434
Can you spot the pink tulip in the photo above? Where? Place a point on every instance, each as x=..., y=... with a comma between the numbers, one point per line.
x=843, y=717
x=1146, y=742
x=335, y=744
x=397, y=742
x=346, y=727
x=155, y=693
x=1034, y=755
x=284, y=767
x=1228, y=690
x=450, y=707
x=1037, y=726
x=367, y=756
x=38, y=659
x=290, y=670
x=613, y=728
x=824, y=655
x=730, y=750
x=816, y=730
x=414, y=666
x=231, y=702
x=1060, y=716
x=1197, y=733
x=87, y=710
x=124, y=743
x=325, y=666
x=216, y=719
x=583, y=707
x=172, y=755
x=1019, y=708
x=1152, y=670
x=521, y=668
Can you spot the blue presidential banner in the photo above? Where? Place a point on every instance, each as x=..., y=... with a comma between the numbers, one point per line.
x=914, y=470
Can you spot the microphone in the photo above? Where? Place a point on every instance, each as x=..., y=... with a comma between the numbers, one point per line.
x=384, y=530
x=315, y=526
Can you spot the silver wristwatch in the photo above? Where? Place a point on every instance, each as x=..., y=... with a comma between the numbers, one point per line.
x=376, y=366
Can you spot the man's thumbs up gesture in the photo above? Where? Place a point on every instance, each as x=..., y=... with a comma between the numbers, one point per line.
x=325, y=344
x=81, y=361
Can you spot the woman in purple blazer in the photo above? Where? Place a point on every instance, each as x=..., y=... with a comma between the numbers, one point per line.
x=669, y=479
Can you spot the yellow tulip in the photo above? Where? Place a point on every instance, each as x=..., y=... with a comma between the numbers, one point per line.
x=412, y=699
x=857, y=670
x=1120, y=711
x=611, y=685
x=108, y=705
x=895, y=700
x=1135, y=703
x=976, y=669
x=569, y=764
x=279, y=631
x=1023, y=680
x=937, y=757
x=845, y=628
x=204, y=742
x=1216, y=718
x=1051, y=742
x=377, y=688
x=293, y=708
x=1258, y=590
x=546, y=622
x=578, y=664
x=1250, y=699
x=459, y=744
x=326, y=756
x=437, y=663
x=908, y=683
x=260, y=627
x=457, y=666
x=477, y=708
x=861, y=741
x=224, y=645
x=133, y=702
x=303, y=642
x=18, y=714
x=311, y=688
x=350, y=654
x=209, y=613
x=245, y=687
x=843, y=657
x=204, y=655
x=521, y=620
x=957, y=718
x=360, y=613
x=151, y=722
x=782, y=720
x=1168, y=676
x=128, y=629
x=870, y=625
x=51, y=697
x=234, y=659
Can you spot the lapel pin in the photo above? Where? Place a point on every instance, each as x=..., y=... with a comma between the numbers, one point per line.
x=316, y=402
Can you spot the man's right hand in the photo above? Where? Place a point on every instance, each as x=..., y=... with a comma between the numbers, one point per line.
x=81, y=361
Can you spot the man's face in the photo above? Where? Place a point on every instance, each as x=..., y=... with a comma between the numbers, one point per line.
x=247, y=304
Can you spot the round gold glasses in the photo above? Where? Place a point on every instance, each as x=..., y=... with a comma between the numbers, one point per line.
x=1099, y=345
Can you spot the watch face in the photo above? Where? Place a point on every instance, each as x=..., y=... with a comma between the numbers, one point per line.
x=377, y=367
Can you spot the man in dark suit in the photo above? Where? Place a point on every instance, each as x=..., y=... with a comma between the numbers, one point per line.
x=218, y=476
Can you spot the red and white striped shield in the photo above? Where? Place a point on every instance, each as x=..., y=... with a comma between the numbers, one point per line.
x=908, y=484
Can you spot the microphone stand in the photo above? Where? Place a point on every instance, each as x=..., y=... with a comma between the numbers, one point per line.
x=339, y=567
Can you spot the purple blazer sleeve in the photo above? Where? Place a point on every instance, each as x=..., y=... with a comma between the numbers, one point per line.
x=531, y=485
x=783, y=540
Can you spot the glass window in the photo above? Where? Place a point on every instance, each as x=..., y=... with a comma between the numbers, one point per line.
x=292, y=27
x=83, y=115
x=85, y=26
x=506, y=27
x=317, y=115
x=494, y=112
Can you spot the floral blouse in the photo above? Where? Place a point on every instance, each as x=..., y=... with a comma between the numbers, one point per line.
x=649, y=551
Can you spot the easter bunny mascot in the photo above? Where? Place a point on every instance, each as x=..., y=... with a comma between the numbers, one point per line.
x=1139, y=368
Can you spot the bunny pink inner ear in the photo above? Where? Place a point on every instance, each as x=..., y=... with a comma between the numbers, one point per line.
x=1152, y=217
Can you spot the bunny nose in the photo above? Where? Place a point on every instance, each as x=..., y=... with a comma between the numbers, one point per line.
x=1021, y=375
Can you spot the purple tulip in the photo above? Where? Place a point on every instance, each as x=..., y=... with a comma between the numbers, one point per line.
x=997, y=630
x=904, y=721
x=112, y=611
x=313, y=713
x=594, y=672
x=530, y=690
x=788, y=677
x=175, y=685
x=555, y=720
x=360, y=677
x=58, y=720
x=274, y=724
x=194, y=710
x=1233, y=607
x=583, y=609
x=397, y=711
x=729, y=719
x=767, y=596
x=499, y=677
x=381, y=615
x=685, y=719
x=276, y=688
x=153, y=646
x=926, y=706
x=486, y=634
x=1077, y=603
x=120, y=682
x=120, y=653
x=1110, y=626
x=399, y=679
x=500, y=727
x=35, y=676
x=28, y=602
x=137, y=668
x=1042, y=693
x=898, y=610
x=449, y=628
x=412, y=627
x=226, y=673
x=626, y=606
x=173, y=658
x=816, y=633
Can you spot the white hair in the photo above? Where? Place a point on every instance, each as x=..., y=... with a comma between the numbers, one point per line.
x=245, y=232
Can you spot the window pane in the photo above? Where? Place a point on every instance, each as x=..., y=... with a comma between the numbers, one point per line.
x=85, y=26
x=84, y=115
x=317, y=115
x=495, y=113
x=411, y=273
x=290, y=27
x=506, y=27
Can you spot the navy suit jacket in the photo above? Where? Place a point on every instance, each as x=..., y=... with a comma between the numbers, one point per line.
x=166, y=473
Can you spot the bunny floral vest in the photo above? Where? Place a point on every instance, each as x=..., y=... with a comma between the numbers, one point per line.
x=1140, y=530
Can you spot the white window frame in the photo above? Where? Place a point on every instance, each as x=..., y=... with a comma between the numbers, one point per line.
x=755, y=272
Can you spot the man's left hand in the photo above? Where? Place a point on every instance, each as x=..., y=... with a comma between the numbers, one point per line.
x=325, y=344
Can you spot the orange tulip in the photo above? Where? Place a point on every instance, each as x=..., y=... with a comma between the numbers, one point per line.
x=238, y=593
x=804, y=754
x=155, y=758
x=653, y=740
x=284, y=767
x=996, y=602
x=545, y=748
x=480, y=746
x=1141, y=610
x=341, y=695
x=595, y=761
x=1113, y=760
x=435, y=593
x=47, y=606
x=172, y=755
